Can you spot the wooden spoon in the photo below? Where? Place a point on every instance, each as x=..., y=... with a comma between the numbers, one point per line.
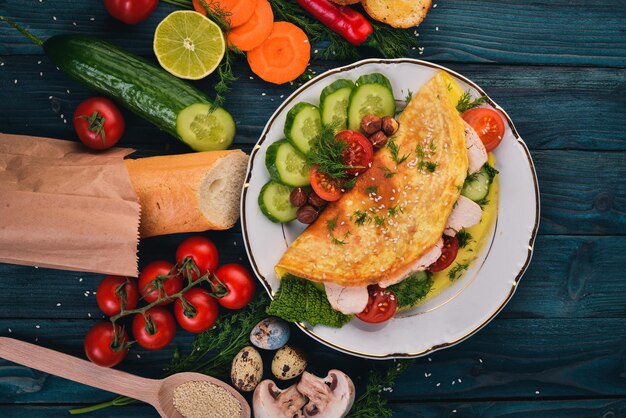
x=158, y=393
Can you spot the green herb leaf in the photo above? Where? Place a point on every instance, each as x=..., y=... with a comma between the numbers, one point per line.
x=394, y=150
x=466, y=103
x=412, y=289
x=359, y=217
x=327, y=154
x=464, y=238
x=457, y=270
x=371, y=189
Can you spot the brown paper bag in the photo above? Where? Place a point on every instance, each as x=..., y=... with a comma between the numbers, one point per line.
x=64, y=207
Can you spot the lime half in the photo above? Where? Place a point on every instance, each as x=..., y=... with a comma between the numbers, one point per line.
x=189, y=45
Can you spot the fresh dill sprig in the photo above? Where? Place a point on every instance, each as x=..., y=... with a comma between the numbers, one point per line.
x=379, y=220
x=359, y=217
x=464, y=238
x=371, y=189
x=370, y=403
x=409, y=96
x=327, y=154
x=394, y=210
x=466, y=103
x=491, y=172
x=431, y=166
x=457, y=270
x=331, y=224
x=217, y=14
x=349, y=185
x=422, y=155
x=394, y=149
x=393, y=42
x=389, y=173
x=227, y=77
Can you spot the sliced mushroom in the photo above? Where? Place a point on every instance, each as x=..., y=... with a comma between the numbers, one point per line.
x=330, y=397
x=269, y=401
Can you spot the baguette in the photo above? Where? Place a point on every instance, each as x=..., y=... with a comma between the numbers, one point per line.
x=398, y=13
x=188, y=192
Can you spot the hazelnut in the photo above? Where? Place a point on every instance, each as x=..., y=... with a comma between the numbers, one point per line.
x=371, y=124
x=307, y=214
x=316, y=201
x=379, y=139
x=390, y=125
x=298, y=197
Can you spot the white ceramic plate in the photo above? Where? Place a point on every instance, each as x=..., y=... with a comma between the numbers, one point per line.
x=461, y=309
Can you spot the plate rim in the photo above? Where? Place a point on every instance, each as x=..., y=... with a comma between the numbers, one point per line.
x=515, y=134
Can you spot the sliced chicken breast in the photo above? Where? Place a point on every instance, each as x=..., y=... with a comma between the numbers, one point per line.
x=347, y=300
x=465, y=213
x=476, y=152
x=420, y=265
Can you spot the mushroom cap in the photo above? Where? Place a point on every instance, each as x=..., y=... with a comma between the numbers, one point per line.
x=269, y=401
x=329, y=397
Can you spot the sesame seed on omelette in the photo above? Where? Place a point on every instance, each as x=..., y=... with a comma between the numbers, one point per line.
x=398, y=208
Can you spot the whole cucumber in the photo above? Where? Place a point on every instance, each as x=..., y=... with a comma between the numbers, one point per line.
x=143, y=88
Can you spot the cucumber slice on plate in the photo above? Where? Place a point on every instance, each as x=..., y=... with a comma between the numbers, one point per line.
x=373, y=95
x=334, y=101
x=476, y=186
x=275, y=204
x=303, y=124
x=287, y=165
x=205, y=129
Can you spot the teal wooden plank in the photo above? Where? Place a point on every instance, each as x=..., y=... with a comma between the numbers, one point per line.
x=508, y=359
x=569, y=277
x=36, y=411
x=552, y=107
x=530, y=32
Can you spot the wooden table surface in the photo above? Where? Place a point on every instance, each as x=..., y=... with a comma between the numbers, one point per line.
x=559, y=347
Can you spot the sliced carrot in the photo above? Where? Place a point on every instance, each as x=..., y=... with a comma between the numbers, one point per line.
x=240, y=10
x=256, y=30
x=283, y=56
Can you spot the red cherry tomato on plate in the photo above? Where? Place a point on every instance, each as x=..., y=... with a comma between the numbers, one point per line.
x=448, y=254
x=488, y=124
x=240, y=284
x=199, y=313
x=116, y=291
x=131, y=11
x=199, y=250
x=324, y=186
x=101, y=346
x=155, y=329
x=358, y=153
x=98, y=123
x=381, y=306
x=159, y=270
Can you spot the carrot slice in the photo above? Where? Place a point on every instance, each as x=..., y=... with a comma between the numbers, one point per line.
x=256, y=30
x=240, y=10
x=283, y=56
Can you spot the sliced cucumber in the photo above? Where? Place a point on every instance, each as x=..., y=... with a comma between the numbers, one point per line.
x=287, y=165
x=334, y=102
x=476, y=185
x=275, y=204
x=205, y=129
x=373, y=95
x=303, y=124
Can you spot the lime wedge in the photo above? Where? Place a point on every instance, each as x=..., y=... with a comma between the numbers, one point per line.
x=189, y=45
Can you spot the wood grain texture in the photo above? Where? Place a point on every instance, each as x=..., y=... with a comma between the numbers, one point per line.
x=569, y=277
x=508, y=359
x=552, y=107
x=525, y=31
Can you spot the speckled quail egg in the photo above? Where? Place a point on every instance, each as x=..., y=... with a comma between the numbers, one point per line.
x=270, y=334
x=288, y=363
x=247, y=369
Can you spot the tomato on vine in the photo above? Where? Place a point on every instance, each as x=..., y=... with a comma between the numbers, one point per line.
x=197, y=253
x=106, y=344
x=117, y=292
x=196, y=311
x=159, y=278
x=155, y=328
x=239, y=283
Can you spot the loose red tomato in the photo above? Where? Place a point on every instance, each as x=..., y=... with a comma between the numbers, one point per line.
x=358, y=153
x=115, y=293
x=155, y=274
x=448, y=254
x=98, y=123
x=488, y=124
x=324, y=186
x=381, y=306
x=200, y=251
x=155, y=329
x=240, y=284
x=199, y=311
x=102, y=347
x=131, y=11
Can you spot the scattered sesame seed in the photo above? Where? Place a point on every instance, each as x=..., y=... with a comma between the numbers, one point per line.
x=536, y=392
x=40, y=74
x=263, y=94
x=58, y=304
x=481, y=360
x=74, y=23
x=37, y=326
x=80, y=279
x=436, y=27
x=459, y=380
x=435, y=6
x=92, y=18
x=138, y=355
x=15, y=82
x=54, y=18
x=454, y=411
x=39, y=62
x=68, y=91
x=10, y=330
x=438, y=384
x=88, y=314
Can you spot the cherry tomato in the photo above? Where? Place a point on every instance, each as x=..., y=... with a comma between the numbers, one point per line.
x=381, y=306
x=131, y=11
x=98, y=123
x=154, y=330
x=240, y=284
x=172, y=283
x=115, y=292
x=358, y=153
x=488, y=124
x=324, y=186
x=448, y=254
x=101, y=347
x=199, y=250
x=199, y=313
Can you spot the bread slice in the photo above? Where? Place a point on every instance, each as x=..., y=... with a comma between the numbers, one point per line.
x=188, y=192
x=398, y=13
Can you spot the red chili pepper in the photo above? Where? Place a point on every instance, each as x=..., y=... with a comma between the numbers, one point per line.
x=345, y=21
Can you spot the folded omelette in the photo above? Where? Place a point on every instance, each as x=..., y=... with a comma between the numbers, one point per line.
x=398, y=208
